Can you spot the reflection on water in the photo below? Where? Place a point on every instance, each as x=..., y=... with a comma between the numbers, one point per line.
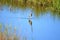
x=44, y=28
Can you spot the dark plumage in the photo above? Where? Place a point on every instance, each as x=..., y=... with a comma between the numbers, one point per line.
x=30, y=15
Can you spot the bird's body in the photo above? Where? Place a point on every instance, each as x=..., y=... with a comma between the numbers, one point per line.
x=30, y=15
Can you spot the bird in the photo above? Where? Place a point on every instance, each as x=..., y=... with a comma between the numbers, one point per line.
x=30, y=21
x=30, y=15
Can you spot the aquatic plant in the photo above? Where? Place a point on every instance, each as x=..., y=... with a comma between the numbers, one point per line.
x=38, y=6
x=0, y=27
x=8, y=36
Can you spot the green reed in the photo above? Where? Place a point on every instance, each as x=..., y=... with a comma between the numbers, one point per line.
x=38, y=6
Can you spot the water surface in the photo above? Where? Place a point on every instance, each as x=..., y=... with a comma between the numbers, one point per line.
x=44, y=28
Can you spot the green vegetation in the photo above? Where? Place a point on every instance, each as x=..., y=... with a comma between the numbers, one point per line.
x=38, y=6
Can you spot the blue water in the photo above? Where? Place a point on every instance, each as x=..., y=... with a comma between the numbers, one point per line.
x=44, y=28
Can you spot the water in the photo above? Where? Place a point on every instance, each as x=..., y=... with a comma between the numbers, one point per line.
x=44, y=28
